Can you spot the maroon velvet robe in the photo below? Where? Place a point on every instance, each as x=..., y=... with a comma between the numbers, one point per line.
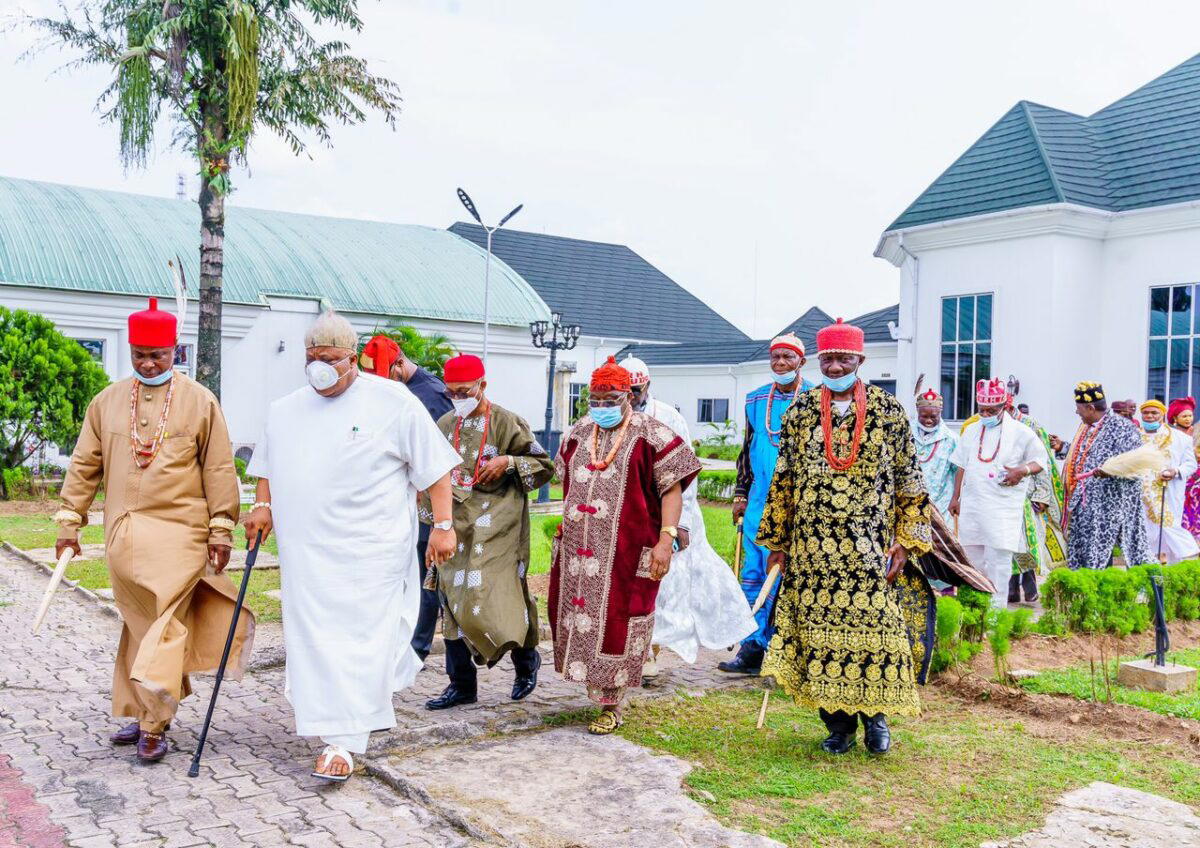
x=601, y=595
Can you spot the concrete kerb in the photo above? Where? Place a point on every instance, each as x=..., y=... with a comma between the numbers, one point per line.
x=105, y=606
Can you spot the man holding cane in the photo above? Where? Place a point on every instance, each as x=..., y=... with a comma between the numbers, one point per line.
x=339, y=464
x=171, y=503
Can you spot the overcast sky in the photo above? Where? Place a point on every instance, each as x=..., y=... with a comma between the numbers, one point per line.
x=743, y=148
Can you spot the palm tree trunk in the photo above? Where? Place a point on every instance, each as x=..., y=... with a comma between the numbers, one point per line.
x=212, y=263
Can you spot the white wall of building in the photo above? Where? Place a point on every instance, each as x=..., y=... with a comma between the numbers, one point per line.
x=1071, y=294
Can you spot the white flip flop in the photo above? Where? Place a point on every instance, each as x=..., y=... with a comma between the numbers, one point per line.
x=328, y=754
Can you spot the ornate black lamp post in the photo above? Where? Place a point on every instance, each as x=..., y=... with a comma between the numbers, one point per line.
x=554, y=336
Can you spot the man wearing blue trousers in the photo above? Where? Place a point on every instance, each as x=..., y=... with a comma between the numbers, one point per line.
x=765, y=407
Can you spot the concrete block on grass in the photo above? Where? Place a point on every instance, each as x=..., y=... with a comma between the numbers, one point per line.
x=1144, y=674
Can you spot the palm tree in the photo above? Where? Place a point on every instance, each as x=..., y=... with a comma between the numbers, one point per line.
x=221, y=69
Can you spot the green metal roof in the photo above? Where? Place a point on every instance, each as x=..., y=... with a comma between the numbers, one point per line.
x=65, y=237
x=1143, y=150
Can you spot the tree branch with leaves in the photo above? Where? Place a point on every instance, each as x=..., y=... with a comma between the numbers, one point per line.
x=220, y=69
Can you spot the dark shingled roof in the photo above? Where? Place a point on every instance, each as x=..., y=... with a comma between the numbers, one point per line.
x=874, y=326
x=1143, y=150
x=606, y=288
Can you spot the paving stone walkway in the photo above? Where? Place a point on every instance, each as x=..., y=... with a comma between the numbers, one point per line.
x=61, y=782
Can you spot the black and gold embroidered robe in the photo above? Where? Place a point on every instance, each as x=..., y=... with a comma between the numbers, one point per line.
x=845, y=639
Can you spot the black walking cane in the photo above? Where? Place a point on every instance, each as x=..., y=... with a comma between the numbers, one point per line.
x=194, y=771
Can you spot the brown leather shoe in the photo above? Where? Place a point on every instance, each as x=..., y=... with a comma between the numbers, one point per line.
x=152, y=747
x=127, y=735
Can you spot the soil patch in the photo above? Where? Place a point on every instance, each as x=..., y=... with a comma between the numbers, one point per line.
x=1039, y=653
x=43, y=507
x=1064, y=717
x=539, y=585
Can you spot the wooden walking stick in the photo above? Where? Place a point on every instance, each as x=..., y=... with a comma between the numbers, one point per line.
x=739, y=552
x=59, y=570
x=1162, y=522
x=194, y=771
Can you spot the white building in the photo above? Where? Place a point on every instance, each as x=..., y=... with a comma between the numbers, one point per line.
x=1060, y=248
x=708, y=382
x=619, y=300
x=85, y=259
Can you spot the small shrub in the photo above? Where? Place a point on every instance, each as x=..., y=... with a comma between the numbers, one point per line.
x=550, y=525
x=18, y=482
x=999, y=633
x=716, y=485
x=1022, y=624
x=240, y=466
x=951, y=650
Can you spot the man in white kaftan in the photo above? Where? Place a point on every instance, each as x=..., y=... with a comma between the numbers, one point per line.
x=936, y=444
x=700, y=601
x=340, y=465
x=995, y=456
x=1164, y=516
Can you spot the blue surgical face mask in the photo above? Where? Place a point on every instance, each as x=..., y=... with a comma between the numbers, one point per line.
x=840, y=384
x=607, y=417
x=1151, y=426
x=786, y=379
x=154, y=381
x=992, y=421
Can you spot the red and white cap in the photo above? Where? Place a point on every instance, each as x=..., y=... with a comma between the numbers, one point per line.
x=929, y=398
x=991, y=392
x=639, y=372
x=790, y=341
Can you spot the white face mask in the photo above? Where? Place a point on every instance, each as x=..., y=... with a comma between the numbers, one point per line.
x=464, y=406
x=323, y=375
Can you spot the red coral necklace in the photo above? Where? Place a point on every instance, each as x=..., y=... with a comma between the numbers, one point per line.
x=979, y=451
x=456, y=475
x=604, y=463
x=144, y=452
x=773, y=435
x=843, y=463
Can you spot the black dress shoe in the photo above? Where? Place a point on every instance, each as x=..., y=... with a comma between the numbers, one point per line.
x=524, y=685
x=838, y=743
x=452, y=697
x=127, y=735
x=749, y=660
x=876, y=734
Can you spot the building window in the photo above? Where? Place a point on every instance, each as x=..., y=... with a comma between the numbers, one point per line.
x=1174, y=361
x=576, y=393
x=183, y=358
x=95, y=347
x=966, y=351
x=713, y=410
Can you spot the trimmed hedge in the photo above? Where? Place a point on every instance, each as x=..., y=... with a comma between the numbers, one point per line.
x=716, y=485
x=1112, y=600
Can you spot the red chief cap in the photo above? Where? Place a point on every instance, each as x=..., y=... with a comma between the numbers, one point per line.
x=152, y=327
x=380, y=354
x=463, y=368
x=840, y=338
x=610, y=377
x=1179, y=405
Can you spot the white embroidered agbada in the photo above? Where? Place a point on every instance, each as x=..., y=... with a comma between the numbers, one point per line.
x=700, y=601
x=990, y=514
x=344, y=473
x=1178, y=544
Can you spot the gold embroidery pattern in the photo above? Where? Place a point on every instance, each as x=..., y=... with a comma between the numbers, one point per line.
x=845, y=638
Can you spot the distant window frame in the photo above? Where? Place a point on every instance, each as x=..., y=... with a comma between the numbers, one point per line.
x=965, y=349
x=712, y=410
x=574, y=393
x=185, y=358
x=94, y=347
x=1173, y=342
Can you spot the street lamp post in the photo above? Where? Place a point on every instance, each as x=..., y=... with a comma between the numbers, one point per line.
x=487, y=269
x=561, y=338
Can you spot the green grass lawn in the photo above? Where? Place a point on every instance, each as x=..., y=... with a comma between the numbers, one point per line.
x=955, y=778
x=1077, y=681
x=555, y=493
x=36, y=531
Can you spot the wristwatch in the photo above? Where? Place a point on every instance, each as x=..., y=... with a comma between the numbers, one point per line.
x=673, y=532
x=448, y=524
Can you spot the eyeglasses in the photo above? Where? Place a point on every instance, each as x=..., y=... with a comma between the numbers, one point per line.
x=605, y=404
x=462, y=395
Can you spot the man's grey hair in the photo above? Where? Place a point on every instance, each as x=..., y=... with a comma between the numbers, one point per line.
x=331, y=330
